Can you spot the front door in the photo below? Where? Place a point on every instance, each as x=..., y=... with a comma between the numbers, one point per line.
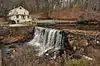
x=18, y=21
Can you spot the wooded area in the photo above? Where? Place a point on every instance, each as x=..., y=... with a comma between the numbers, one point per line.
x=35, y=6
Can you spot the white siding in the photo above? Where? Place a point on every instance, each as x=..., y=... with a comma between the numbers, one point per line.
x=19, y=15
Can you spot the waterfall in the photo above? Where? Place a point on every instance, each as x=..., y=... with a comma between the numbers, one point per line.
x=46, y=39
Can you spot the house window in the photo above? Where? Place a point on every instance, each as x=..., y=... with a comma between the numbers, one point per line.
x=20, y=8
x=28, y=16
x=17, y=16
x=24, y=13
x=23, y=16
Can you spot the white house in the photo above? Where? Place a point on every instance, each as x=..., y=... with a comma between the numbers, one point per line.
x=19, y=15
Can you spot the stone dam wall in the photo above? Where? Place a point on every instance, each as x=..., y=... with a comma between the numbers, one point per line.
x=21, y=34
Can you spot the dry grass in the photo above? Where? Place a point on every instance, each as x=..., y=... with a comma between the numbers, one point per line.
x=25, y=56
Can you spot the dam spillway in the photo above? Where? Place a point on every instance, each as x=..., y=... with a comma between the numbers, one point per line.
x=46, y=39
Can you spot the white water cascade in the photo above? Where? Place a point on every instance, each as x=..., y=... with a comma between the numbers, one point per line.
x=46, y=39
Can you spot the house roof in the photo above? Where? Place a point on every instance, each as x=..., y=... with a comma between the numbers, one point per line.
x=18, y=7
x=18, y=11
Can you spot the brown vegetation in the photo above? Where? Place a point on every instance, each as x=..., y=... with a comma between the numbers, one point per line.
x=15, y=34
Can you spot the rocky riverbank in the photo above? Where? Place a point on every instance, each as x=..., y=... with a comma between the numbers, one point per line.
x=15, y=34
x=85, y=44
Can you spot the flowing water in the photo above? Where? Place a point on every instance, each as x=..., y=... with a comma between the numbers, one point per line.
x=46, y=39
